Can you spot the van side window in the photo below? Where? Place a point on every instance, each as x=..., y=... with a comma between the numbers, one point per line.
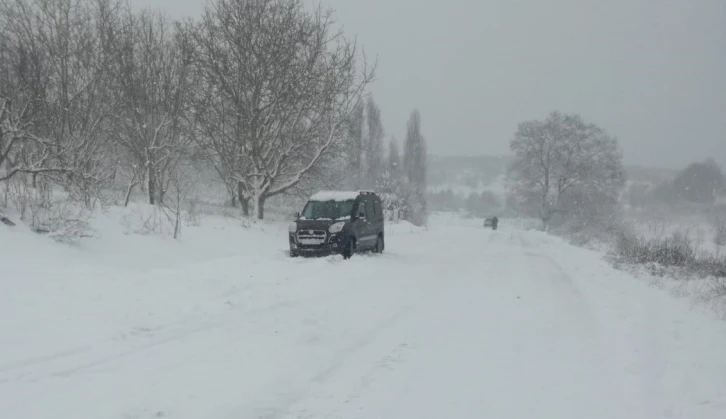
x=378, y=209
x=362, y=208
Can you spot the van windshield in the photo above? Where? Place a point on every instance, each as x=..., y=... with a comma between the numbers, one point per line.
x=329, y=210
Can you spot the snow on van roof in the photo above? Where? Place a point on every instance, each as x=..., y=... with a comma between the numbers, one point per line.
x=335, y=196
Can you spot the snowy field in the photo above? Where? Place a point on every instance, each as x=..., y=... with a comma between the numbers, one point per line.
x=455, y=321
x=697, y=226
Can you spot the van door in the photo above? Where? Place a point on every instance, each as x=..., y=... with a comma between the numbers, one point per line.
x=380, y=217
x=364, y=224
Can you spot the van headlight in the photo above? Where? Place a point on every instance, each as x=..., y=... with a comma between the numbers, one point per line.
x=336, y=228
x=292, y=228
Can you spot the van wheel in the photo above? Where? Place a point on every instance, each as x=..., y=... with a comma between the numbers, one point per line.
x=380, y=244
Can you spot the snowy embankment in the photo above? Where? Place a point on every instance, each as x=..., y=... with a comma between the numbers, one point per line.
x=697, y=226
x=453, y=321
x=686, y=257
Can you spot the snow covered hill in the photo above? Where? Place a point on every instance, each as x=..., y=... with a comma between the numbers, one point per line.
x=454, y=321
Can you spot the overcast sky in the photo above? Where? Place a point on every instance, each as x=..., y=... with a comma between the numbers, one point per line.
x=653, y=73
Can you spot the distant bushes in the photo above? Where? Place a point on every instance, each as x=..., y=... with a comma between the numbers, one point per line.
x=700, y=183
x=719, y=226
x=676, y=251
x=594, y=233
x=700, y=274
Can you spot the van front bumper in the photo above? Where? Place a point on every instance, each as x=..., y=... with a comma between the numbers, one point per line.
x=331, y=245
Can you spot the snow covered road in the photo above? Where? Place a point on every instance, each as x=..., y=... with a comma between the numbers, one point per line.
x=457, y=321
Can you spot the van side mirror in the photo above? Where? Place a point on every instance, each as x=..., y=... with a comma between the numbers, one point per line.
x=297, y=215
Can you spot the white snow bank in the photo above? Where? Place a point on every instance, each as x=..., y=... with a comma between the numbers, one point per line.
x=224, y=324
x=119, y=284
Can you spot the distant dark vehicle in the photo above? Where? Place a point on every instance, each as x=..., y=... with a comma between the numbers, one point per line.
x=491, y=222
x=338, y=222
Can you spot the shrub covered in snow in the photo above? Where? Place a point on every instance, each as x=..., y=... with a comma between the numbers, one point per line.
x=598, y=232
x=676, y=252
x=46, y=210
x=394, y=206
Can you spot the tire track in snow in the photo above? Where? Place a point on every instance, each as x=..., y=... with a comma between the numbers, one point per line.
x=509, y=263
x=633, y=332
x=386, y=364
x=350, y=355
x=559, y=280
x=243, y=326
x=571, y=321
x=106, y=356
x=381, y=353
x=376, y=352
x=369, y=366
x=181, y=331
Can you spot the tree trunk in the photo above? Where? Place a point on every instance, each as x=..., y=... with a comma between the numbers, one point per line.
x=151, y=185
x=258, y=206
x=243, y=200
x=261, y=208
x=128, y=194
x=161, y=193
x=177, y=224
x=132, y=183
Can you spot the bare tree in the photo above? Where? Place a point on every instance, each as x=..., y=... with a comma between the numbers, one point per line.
x=181, y=183
x=563, y=157
x=281, y=85
x=152, y=77
x=53, y=90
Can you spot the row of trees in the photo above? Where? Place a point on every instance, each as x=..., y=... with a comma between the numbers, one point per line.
x=401, y=179
x=92, y=92
x=699, y=183
x=477, y=204
x=365, y=163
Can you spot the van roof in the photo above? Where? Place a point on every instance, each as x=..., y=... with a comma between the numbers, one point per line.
x=338, y=195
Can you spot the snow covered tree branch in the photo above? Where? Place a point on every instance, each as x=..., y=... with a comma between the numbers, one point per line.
x=152, y=78
x=53, y=91
x=280, y=84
